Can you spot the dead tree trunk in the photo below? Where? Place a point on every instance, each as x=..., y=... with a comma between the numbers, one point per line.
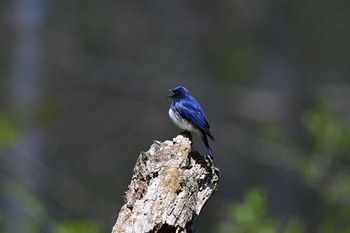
x=169, y=187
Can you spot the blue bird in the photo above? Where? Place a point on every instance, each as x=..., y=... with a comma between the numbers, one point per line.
x=186, y=113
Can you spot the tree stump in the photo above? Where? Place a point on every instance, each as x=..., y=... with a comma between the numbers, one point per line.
x=169, y=187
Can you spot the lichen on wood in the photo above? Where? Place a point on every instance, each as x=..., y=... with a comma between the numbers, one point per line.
x=169, y=187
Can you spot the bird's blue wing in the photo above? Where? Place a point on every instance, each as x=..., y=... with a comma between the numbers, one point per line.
x=190, y=109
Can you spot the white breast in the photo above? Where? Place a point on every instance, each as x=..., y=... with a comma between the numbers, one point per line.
x=181, y=122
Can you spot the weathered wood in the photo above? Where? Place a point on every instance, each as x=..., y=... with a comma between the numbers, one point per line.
x=169, y=187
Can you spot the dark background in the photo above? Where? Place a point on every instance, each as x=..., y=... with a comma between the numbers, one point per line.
x=82, y=93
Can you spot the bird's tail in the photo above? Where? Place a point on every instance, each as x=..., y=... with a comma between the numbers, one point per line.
x=206, y=143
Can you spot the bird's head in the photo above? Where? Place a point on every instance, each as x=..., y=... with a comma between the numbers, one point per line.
x=178, y=92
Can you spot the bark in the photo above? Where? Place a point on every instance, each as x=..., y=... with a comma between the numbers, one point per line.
x=169, y=187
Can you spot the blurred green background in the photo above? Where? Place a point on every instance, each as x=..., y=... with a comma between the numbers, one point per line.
x=82, y=93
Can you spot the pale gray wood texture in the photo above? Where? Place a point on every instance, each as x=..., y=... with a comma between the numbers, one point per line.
x=169, y=187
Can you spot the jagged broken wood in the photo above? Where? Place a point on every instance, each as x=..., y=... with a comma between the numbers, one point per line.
x=169, y=187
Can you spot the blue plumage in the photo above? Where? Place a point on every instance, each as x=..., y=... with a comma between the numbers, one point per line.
x=186, y=113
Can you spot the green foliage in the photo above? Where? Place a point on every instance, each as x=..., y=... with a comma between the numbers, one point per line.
x=272, y=132
x=8, y=132
x=35, y=210
x=251, y=215
x=338, y=189
x=48, y=112
x=330, y=140
x=328, y=134
x=75, y=226
x=335, y=219
x=38, y=214
x=323, y=165
x=27, y=200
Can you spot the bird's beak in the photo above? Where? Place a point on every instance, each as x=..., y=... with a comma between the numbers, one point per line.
x=170, y=96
